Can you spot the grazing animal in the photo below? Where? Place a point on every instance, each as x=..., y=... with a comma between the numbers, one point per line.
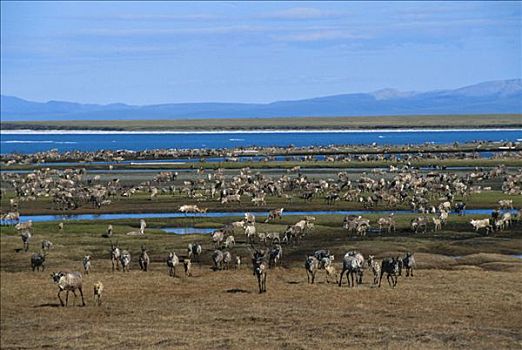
x=443, y=217
x=86, y=262
x=478, y=224
x=274, y=236
x=460, y=208
x=172, y=262
x=115, y=256
x=356, y=224
x=218, y=237
x=69, y=282
x=24, y=226
x=275, y=255
x=238, y=224
x=187, y=265
x=388, y=223
x=194, y=251
x=438, y=224
x=141, y=231
x=60, y=226
x=274, y=214
x=260, y=267
x=361, y=262
x=390, y=267
x=321, y=254
x=231, y=198
x=38, y=261
x=505, y=204
x=186, y=209
x=351, y=266
x=230, y=242
x=419, y=224
x=227, y=259
x=10, y=218
x=98, y=291
x=507, y=219
x=26, y=239
x=362, y=229
x=250, y=232
x=331, y=271
x=375, y=268
x=217, y=259
x=445, y=206
x=46, y=245
x=250, y=218
x=330, y=198
x=125, y=259
x=109, y=231
x=498, y=225
x=408, y=263
x=262, y=237
x=311, y=266
x=518, y=216
x=144, y=260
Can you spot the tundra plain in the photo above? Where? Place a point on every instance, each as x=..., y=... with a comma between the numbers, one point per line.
x=465, y=293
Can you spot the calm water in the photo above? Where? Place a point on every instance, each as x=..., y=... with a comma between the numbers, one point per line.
x=46, y=218
x=37, y=142
x=188, y=230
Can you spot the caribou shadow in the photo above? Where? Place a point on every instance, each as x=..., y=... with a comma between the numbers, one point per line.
x=48, y=305
x=237, y=290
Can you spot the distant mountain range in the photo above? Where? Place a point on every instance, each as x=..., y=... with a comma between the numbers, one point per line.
x=503, y=96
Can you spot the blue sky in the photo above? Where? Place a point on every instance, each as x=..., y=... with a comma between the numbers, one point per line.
x=157, y=52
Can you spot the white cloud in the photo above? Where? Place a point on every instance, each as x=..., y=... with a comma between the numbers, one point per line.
x=320, y=35
x=300, y=13
x=149, y=17
x=172, y=31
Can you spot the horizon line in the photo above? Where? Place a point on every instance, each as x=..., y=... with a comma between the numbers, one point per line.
x=263, y=103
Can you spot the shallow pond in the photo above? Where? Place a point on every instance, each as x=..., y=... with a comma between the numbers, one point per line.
x=46, y=218
x=187, y=230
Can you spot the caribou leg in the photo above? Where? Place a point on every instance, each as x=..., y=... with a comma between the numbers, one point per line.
x=341, y=277
x=59, y=297
x=81, y=294
x=259, y=283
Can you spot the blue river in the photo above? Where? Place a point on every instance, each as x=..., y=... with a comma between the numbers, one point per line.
x=137, y=216
x=37, y=142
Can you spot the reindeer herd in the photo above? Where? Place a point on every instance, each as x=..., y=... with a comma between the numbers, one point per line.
x=405, y=186
x=263, y=259
x=400, y=186
x=223, y=239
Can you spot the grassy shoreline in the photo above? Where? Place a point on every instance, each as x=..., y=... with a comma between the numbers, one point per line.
x=384, y=122
x=169, y=204
x=509, y=162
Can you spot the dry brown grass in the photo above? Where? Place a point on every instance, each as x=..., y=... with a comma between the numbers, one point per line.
x=222, y=310
x=467, y=302
x=150, y=310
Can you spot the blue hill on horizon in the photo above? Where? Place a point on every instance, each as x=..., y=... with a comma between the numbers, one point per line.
x=501, y=96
